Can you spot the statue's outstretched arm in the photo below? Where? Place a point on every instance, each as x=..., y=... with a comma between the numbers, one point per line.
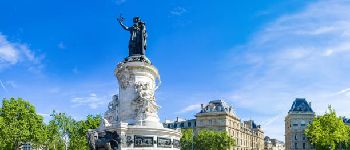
x=124, y=26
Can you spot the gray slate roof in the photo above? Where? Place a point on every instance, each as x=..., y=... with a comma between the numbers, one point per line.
x=217, y=106
x=300, y=105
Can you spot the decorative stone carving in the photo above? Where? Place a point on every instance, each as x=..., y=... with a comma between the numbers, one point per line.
x=141, y=58
x=129, y=141
x=164, y=142
x=124, y=78
x=109, y=141
x=111, y=115
x=144, y=103
x=143, y=141
x=133, y=112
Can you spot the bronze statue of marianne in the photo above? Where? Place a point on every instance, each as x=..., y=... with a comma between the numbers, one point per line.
x=138, y=36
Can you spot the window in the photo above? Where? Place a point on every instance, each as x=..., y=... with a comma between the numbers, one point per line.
x=303, y=145
x=210, y=122
x=26, y=146
x=189, y=124
x=304, y=138
x=295, y=125
x=296, y=145
x=295, y=137
x=168, y=125
x=175, y=125
x=182, y=125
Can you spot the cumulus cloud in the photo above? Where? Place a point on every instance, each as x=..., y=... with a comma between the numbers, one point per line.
x=303, y=54
x=92, y=101
x=12, y=53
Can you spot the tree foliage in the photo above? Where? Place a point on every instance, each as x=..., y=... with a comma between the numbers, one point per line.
x=78, y=139
x=328, y=131
x=206, y=140
x=186, y=139
x=19, y=123
x=69, y=133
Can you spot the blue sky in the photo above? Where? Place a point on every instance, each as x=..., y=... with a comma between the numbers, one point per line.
x=257, y=55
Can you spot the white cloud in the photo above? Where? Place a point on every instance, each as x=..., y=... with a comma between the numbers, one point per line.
x=13, y=53
x=7, y=85
x=8, y=52
x=92, y=101
x=304, y=54
x=3, y=86
x=178, y=11
x=345, y=91
x=190, y=108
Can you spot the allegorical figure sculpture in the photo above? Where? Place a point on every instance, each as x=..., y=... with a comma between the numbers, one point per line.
x=138, y=36
x=109, y=141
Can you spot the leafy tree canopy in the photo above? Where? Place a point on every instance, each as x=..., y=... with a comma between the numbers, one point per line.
x=328, y=131
x=19, y=123
x=206, y=140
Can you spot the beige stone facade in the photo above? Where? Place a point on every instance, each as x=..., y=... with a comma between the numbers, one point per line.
x=299, y=116
x=273, y=144
x=218, y=116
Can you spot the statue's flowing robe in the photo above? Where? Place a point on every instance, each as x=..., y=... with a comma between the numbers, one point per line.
x=137, y=42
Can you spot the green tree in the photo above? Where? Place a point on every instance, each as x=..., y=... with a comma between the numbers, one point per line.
x=19, y=123
x=66, y=133
x=186, y=139
x=327, y=131
x=54, y=140
x=78, y=139
x=212, y=140
x=61, y=128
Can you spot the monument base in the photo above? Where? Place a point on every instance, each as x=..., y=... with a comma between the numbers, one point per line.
x=135, y=137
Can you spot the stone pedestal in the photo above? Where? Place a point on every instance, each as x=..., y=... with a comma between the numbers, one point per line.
x=133, y=113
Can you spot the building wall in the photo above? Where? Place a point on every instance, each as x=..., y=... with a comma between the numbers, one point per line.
x=246, y=137
x=219, y=116
x=273, y=144
x=295, y=124
x=183, y=124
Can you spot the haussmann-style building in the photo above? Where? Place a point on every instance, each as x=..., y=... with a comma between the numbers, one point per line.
x=273, y=144
x=299, y=116
x=219, y=116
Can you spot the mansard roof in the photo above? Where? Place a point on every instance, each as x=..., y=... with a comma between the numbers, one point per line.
x=301, y=105
x=217, y=106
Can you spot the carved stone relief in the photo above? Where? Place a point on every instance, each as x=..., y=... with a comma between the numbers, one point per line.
x=144, y=102
x=111, y=115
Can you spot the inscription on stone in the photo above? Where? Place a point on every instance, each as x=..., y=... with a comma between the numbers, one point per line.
x=164, y=142
x=143, y=141
x=176, y=143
